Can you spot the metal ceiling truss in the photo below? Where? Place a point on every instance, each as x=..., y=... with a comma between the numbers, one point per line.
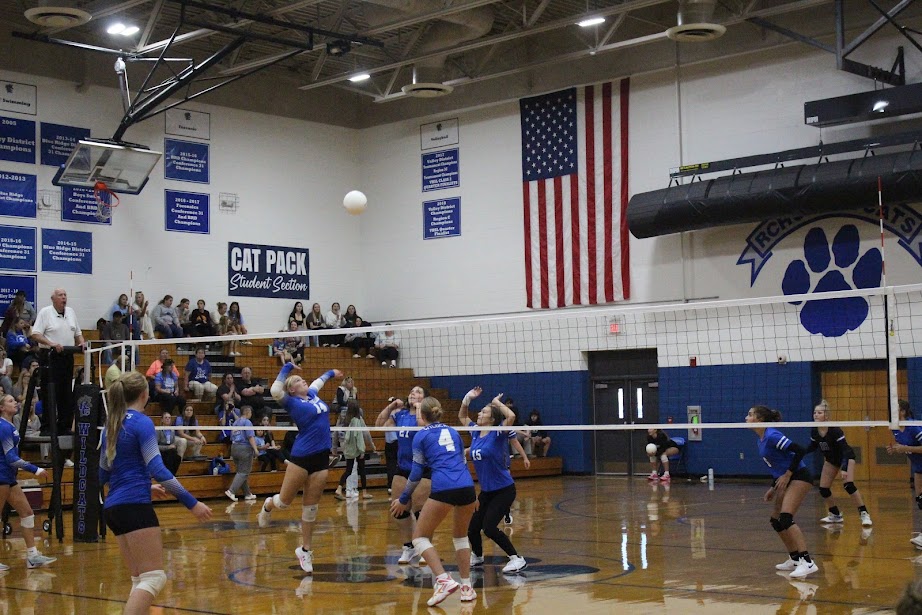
x=152, y=97
x=895, y=76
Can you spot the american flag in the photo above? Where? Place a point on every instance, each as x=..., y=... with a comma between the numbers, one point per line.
x=575, y=192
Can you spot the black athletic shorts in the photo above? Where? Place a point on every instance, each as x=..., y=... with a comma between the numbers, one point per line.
x=126, y=518
x=801, y=474
x=427, y=473
x=313, y=463
x=455, y=497
x=838, y=460
x=10, y=485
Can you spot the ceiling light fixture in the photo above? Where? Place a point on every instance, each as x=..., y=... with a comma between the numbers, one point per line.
x=592, y=21
x=360, y=77
x=131, y=31
x=116, y=28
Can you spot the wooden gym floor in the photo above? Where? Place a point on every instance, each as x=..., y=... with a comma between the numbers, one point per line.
x=594, y=545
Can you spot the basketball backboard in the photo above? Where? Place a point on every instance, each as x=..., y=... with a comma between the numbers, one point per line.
x=122, y=168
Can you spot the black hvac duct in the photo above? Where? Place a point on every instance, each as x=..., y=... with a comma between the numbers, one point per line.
x=791, y=191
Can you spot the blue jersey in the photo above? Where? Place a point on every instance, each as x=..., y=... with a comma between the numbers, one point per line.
x=311, y=415
x=774, y=448
x=241, y=436
x=10, y=463
x=491, y=458
x=137, y=459
x=405, y=418
x=439, y=447
x=911, y=436
x=200, y=372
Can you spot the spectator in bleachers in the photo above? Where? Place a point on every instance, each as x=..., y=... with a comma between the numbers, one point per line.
x=113, y=332
x=350, y=316
x=243, y=452
x=22, y=386
x=236, y=320
x=289, y=349
x=345, y=392
x=227, y=392
x=114, y=371
x=227, y=416
x=298, y=315
x=387, y=346
x=200, y=321
x=540, y=440
x=190, y=438
x=270, y=453
x=156, y=367
x=18, y=345
x=354, y=447
x=6, y=372
x=166, y=442
x=251, y=391
x=166, y=387
x=224, y=326
x=139, y=310
x=13, y=313
x=121, y=305
x=334, y=320
x=360, y=343
x=316, y=322
x=26, y=310
x=166, y=318
x=198, y=376
x=184, y=313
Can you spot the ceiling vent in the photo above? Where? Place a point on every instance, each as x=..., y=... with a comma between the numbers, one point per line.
x=694, y=22
x=426, y=90
x=55, y=14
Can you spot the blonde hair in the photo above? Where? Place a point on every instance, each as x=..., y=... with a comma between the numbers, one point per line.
x=289, y=381
x=824, y=405
x=125, y=391
x=431, y=409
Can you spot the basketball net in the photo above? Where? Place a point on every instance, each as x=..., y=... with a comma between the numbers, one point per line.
x=105, y=201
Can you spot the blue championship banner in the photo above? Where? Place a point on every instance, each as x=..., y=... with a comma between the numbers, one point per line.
x=67, y=251
x=267, y=271
x=79, y=205
x=17, y=248
x=187, y=212
x=58, y=142
x=185, y=161
x=902, y=220
x=442, y=218
x=10, y=284
x=17, y=140
x=18, y=194
x=440, y=170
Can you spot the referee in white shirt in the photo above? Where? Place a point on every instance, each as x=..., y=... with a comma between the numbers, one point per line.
x=55, y=327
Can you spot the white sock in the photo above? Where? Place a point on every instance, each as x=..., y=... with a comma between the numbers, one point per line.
x=443, y=577
x=32, y=551
x=466, y=582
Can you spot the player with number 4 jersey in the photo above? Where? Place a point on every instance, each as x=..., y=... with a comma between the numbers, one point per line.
x=497, y=488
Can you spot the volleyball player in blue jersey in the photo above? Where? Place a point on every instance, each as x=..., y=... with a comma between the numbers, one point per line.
x=909, y=442
x=310, y=455
x=400, y=415
x=439, y=447
x=792, y=482
x=130, y=457
x=10, y=490
x=497, y=489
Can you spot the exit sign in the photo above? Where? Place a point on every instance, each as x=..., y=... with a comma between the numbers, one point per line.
x=614, y=327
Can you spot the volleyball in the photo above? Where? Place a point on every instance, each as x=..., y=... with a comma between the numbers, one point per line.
x=651, y=449
x=355, y=202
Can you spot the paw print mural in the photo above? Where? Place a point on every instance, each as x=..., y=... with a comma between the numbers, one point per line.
x=827, y=268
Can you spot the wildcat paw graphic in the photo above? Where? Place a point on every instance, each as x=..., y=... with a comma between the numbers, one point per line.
x=835, y=265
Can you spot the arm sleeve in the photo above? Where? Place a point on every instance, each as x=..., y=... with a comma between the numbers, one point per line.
x=799, y=453
x=811, y=447
x=277, y=390
x=12, y=458
x=151, y=453
x=416, y=474
x=317, y=384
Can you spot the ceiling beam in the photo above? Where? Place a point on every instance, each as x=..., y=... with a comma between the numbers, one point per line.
x=151, y=21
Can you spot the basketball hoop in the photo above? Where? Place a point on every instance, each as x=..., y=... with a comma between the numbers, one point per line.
x=105, y=201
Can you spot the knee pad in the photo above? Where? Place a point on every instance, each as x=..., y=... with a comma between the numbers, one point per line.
x=785, y=521
x=664, y=457
x=850, y=488
x=28, y=522
x=461, y=543
x=404, y=515
x=278, y=503
x=776, y=525
x=152, y=582
x=421, y=545
x=309, y=513
x=826, y=492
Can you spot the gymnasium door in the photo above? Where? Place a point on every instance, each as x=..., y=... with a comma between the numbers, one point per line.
x=625, y=401
x=857, y=391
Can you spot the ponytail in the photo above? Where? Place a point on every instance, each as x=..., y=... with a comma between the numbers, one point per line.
x=431, y=410
x=125, y=391
x=766, y=414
